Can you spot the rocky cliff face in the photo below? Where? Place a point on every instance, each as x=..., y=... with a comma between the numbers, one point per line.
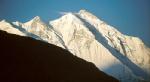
x=86, y=36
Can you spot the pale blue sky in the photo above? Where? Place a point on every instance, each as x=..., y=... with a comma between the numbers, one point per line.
x=131, y=17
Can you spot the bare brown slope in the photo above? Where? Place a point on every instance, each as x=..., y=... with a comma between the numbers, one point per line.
x=24, y=59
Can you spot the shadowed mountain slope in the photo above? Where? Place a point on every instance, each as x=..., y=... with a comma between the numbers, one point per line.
x=24, y=59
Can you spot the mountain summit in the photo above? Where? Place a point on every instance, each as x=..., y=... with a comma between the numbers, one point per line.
x=88, y=37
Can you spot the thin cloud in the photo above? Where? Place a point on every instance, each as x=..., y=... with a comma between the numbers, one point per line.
x=63, y=13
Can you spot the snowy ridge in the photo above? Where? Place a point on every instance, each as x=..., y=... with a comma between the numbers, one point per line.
x=86, y=36
x=37, y=27
x=127, y=45
x=9, y=28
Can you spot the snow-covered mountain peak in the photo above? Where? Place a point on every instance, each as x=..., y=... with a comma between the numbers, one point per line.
x=70, y=27
x=8, y=27
x=83, y=12
x=95, y=21
x=119, y=44
x=122, y=43
x=34, y=25
x=88, y=15
x=88, y=37
x=41, y=31
x=68, y=17
x=36, y=19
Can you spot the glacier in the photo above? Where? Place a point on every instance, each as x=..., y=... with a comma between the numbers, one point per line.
x=86, y=36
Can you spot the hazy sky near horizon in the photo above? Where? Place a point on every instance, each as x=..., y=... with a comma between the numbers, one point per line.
x=131, y=17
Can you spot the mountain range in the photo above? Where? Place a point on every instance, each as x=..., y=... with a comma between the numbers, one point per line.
x=83, y=34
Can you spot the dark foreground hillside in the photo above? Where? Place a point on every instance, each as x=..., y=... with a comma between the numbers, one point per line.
x=24, y=59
